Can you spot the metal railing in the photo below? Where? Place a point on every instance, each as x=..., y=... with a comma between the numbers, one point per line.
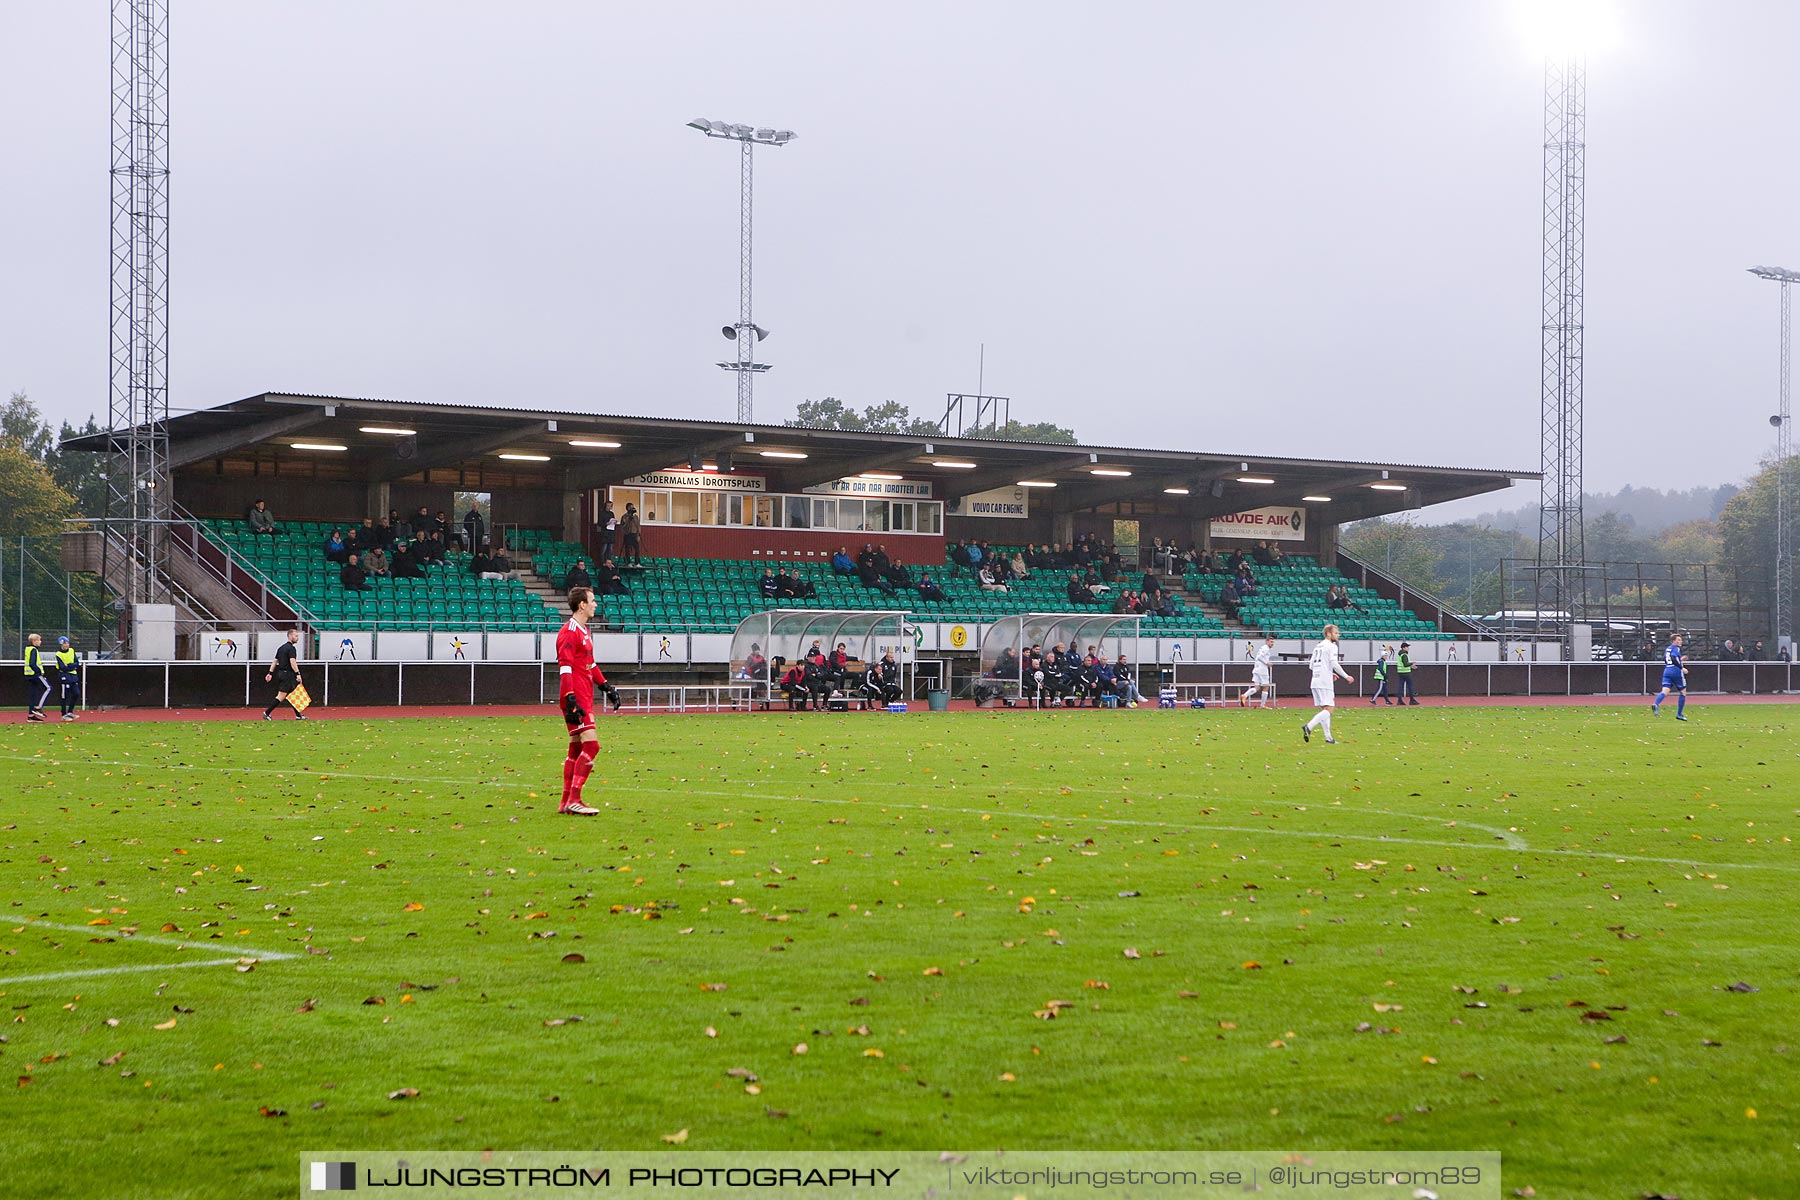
x=1631, y=605
x=242, y=574
x=1446, y=618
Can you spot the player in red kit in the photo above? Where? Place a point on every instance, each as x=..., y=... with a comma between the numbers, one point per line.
x=577, y=678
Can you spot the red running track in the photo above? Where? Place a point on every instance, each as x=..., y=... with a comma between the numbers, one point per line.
x=547, y=711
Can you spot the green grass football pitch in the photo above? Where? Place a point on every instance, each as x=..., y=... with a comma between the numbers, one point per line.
x=1476, y=928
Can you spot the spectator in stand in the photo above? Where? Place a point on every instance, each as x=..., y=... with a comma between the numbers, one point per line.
x=988, y=582
x=337, y=550
x=376, y=564
x=405, y=565
x=1277, y=555
x=1034, y=558
x=1756, y=652
x=1228, y=599
x=900, y=577
x=396, y=523
x=577, y=575
x=1246, y=581
x=929, y=590
x=1729, y=652
x=1079, y=592
x=421, y=549
x=353, y=577
x=867, y=573
x=612, y=583
x=422, y=521
x=882, y=561
x=1150, y=583
x=793, y=586
x=793, y=686
x=1335, y=599
x=364, y=538
x=262, y=521
x=959, y=557
x=609, y=531
x=1261, y=556
x=439, y=548
x=503, y=564
x=768, y=585
x=1235, y=561
x=974, y=552
x=1020, y=568
x=474, y=528
x=481, y=564
x=445, y=529
x=631, y=530
x=842, y=563
x=1122, y=604
x=1785, y=654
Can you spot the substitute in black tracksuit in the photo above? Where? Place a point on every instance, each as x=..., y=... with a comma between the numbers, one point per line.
x=68, y=672
x=37, y=679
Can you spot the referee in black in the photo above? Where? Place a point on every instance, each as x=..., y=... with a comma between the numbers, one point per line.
x=284, y=673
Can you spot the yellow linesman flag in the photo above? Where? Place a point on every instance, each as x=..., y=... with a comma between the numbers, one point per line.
x=300, y=698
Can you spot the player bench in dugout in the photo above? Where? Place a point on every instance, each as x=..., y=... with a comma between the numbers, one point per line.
x=764, y=692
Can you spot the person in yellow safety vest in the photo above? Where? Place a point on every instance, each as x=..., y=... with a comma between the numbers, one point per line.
x=37, y=680
x=68, y=669
x=1403, y=667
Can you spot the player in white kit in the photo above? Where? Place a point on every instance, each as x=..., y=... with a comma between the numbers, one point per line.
x=1262, y=680
x=1326, y=670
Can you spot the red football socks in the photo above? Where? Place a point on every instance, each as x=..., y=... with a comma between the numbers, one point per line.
x=576, y=771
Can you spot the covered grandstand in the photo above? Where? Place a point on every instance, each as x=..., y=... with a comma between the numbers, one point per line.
x=720, y=502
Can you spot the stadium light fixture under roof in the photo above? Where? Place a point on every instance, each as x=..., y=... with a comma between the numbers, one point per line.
x=393, y=430
x=954, y=466
x=1254, y=479
x=526, y=457
x=1035, y=483
x=585, y=444
x=1175, y=491
x=782, y=454
x=1318, y=499
x=1111, y=472
x=317, y=446
x=1779, y=274
x=1388, y=487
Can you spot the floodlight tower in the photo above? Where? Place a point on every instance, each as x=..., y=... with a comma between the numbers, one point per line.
x=137, y=477
x=1782, y=613
x=1562, y=550
x=745, y=332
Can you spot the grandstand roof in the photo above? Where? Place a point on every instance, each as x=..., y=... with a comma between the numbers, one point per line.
x=449, y=437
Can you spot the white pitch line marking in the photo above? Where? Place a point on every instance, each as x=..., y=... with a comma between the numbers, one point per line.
x=149, y=939
x=1511, y=842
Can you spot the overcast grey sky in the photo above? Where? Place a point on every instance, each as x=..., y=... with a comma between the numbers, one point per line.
x=1302, y=228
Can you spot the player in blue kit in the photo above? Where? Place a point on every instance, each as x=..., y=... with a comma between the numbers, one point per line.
x=1674, y=680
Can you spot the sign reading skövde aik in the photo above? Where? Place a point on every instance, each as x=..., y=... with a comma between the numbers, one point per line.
x=1271, y=524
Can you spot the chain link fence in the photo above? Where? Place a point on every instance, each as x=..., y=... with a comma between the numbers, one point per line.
x=38, y=596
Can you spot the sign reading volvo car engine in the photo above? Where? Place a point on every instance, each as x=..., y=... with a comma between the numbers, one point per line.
x=1271, y=524
x=1010, y=503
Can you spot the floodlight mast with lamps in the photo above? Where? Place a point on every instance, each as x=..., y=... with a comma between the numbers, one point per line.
x=744, y=332
x=1782, y=610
